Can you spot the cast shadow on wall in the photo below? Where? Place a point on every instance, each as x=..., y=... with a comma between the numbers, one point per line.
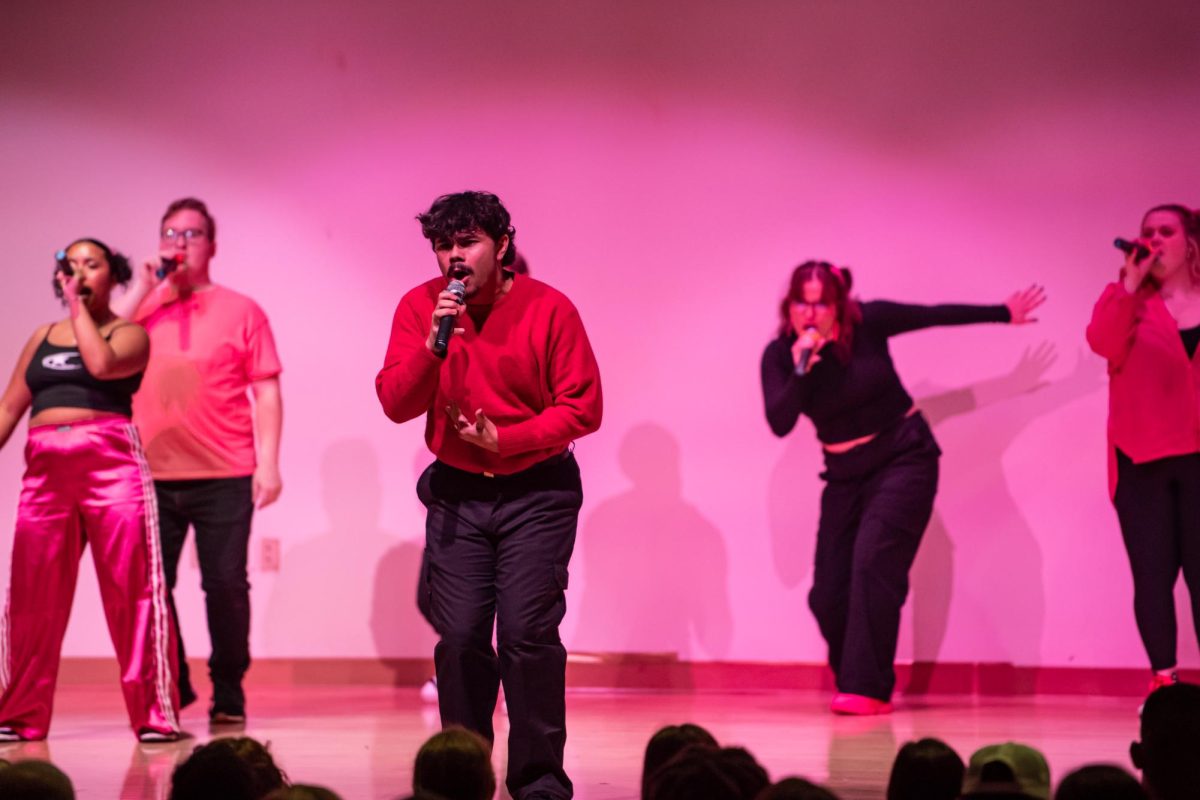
x=655, y=568
x=321, y=605
x=988, y=416
x=1008, y=602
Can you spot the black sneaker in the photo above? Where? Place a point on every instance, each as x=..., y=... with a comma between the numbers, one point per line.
x=220, y=717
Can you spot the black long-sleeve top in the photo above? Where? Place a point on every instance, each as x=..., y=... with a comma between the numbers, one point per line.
x=862, y=395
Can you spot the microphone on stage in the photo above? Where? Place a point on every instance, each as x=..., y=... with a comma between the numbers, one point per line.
x=446, y=324
x=169, y=265
x=1139, y=250
x=806, y=354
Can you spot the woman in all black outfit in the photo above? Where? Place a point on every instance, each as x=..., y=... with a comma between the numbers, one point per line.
x=831, y=362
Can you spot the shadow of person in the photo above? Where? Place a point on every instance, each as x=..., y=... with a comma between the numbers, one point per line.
x=975, y=425
x=792, y=524
x=398, y=625
x=655, y=569
x=321, y=605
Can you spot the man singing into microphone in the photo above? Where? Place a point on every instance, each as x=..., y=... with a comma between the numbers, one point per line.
x=515, y=387
x=213, y=453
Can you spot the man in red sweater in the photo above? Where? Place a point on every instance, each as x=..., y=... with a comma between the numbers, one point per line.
x=515, y=387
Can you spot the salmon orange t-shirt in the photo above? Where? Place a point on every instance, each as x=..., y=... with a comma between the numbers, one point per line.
x=193, y=410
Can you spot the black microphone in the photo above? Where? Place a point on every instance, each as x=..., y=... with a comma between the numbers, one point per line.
x=806, y=354
x=169, y=265
x=1138, y=249
x=446, y=324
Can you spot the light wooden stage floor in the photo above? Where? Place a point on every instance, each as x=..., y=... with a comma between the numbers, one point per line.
x=360, y=740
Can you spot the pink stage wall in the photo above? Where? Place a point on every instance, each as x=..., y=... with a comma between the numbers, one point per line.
x=666, y=165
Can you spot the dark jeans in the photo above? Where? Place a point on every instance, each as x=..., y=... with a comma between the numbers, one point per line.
x=219, y=510
x=877, y=502
x=496, y=553
x=1158, y=505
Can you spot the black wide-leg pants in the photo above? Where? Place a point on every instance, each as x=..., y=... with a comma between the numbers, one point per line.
x=877, y=502
x=497, y=550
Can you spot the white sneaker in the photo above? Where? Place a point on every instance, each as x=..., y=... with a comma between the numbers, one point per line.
x=429, y=692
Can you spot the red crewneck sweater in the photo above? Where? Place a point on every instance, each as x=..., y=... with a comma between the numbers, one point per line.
x=530, y=368
x=1153, y=397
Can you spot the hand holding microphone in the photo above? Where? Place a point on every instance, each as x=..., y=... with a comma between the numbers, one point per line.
x=448, y=307
x=168, y=264
x=1138, y=261
x=155, y=271
x=805, y=349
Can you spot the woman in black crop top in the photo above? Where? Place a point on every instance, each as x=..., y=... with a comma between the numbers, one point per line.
x=86, y=481
x=831, y=362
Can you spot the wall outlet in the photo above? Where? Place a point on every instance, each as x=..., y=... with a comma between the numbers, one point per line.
x=268, y=555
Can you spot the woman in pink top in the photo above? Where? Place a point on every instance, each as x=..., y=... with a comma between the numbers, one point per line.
x=1147, y=325
x=86, y=482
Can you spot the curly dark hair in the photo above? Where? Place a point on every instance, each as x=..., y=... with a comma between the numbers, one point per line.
x=457, y=213
x=118, y=264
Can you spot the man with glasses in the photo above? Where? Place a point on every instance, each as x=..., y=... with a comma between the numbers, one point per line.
x=214, y=454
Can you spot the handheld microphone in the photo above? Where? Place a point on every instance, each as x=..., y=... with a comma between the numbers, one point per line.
x=806, y=354
x=1139, y=250
x=64, y=266
x=446, y=324
x=169, y=265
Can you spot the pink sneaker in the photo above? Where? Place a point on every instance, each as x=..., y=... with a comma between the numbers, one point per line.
x=1160, y=680
x=858, y=705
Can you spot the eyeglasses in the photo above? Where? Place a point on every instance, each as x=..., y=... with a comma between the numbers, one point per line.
x=189, y=234
x=816, y=308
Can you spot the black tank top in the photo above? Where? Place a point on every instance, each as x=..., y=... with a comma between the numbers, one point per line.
x=57, y=378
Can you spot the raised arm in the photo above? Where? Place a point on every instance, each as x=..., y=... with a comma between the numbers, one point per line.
x=784, y=392
x=1110, y=332
x=145, y=280
x=891, y=318
x=409, y=379
x=124, y=353
x=16, y=399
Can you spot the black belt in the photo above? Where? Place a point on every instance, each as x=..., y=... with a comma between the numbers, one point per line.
x=553, y=460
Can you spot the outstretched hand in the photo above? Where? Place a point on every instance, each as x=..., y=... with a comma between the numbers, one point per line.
x=481, y=433
x=1022, y=304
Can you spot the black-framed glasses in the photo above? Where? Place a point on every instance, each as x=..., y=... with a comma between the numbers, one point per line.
x=189, y=234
